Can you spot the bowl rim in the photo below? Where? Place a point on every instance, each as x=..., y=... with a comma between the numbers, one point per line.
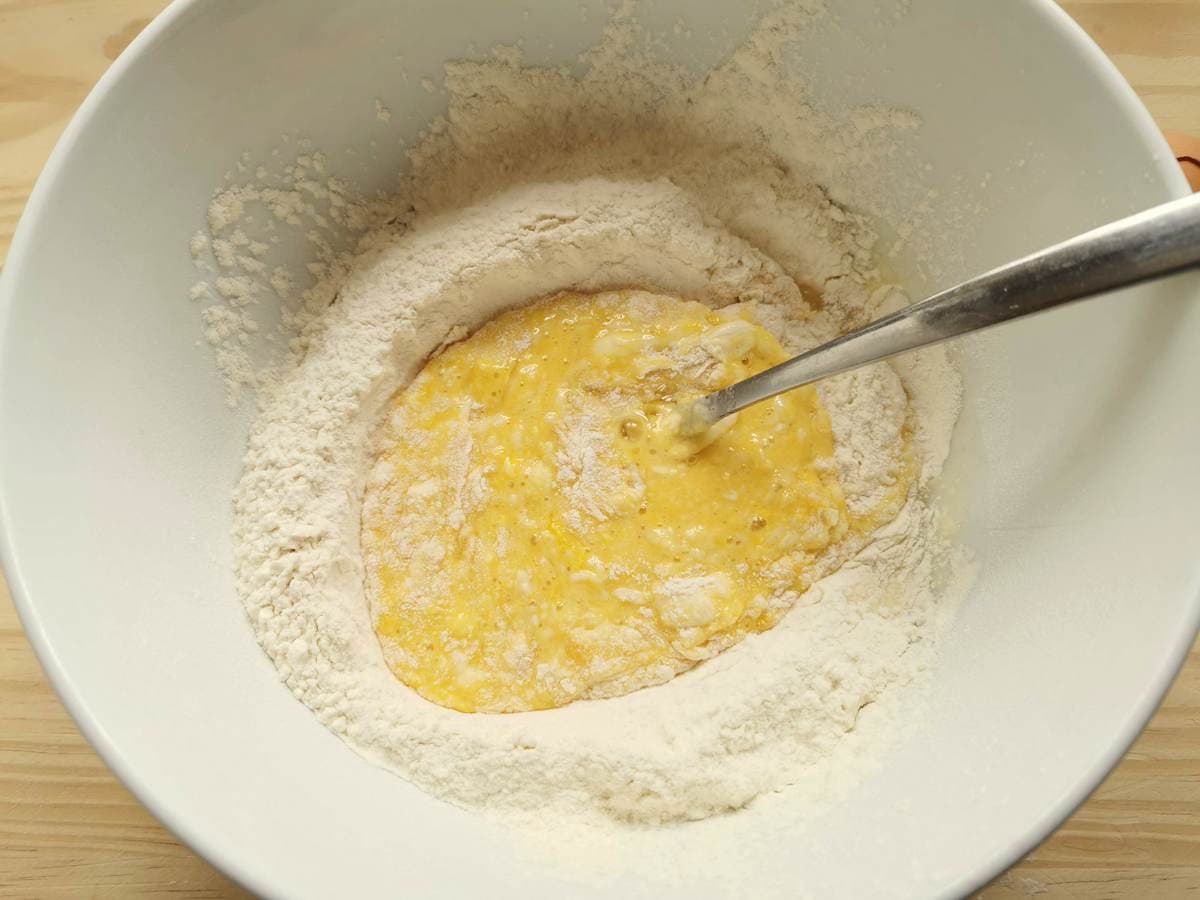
x=194, y=835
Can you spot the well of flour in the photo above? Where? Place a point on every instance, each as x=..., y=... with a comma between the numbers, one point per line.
x=560, y=539
x=631, y=175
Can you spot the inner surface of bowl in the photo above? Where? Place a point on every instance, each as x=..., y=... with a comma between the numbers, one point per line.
x=1071, y=474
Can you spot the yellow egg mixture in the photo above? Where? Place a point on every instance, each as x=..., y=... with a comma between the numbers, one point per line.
x=535, y=530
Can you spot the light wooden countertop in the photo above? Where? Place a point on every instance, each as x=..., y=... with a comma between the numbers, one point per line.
x=69, y=829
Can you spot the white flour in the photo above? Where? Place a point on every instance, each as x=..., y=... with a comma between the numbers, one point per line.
x=632, y=175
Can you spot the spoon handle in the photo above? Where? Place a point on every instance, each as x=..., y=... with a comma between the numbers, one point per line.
x=1148, y=245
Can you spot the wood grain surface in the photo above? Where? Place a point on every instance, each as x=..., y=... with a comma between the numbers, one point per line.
x=68, y=829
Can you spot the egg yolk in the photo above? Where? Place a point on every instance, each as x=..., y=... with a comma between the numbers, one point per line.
x=536, y=531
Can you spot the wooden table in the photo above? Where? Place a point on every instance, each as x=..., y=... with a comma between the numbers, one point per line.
x=68, y=829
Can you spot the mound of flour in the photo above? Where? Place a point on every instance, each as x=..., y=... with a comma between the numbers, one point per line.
x=634, y=174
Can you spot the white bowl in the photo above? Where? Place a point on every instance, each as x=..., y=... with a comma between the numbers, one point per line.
x=118, y=455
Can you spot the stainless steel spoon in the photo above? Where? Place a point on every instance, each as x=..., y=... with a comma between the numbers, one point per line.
x=1142, y=247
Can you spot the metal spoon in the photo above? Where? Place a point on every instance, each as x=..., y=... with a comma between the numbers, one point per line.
x=1151, y=244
